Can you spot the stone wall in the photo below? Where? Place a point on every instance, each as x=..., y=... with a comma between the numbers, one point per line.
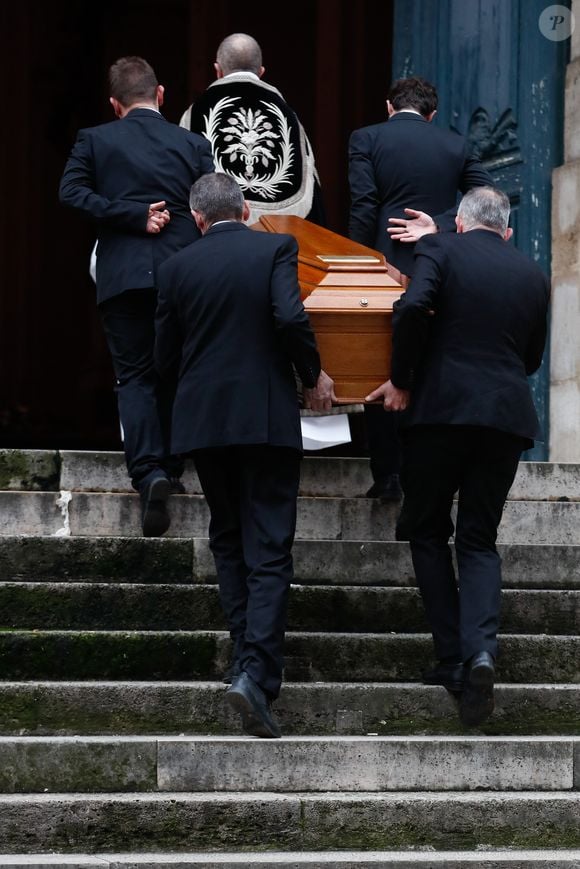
x=565, y=314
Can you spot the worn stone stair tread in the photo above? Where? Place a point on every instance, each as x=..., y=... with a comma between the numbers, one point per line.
x=97, y=514
x=498, y=859
x=146, y=707
x=345, y=476
x=355, y=562
x=187, y=606
x=140, y=709
x=331, y=562
x=49, y=861
x=262, y=820
x=310, y=656
x=228, y=797
x=291, y=764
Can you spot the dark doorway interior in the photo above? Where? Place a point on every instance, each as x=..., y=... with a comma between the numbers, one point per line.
x=330, y=58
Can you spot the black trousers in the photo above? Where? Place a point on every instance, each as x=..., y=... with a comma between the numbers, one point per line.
x=129, y=325
x=252, y=495
x=480, y=464
x=382, y=428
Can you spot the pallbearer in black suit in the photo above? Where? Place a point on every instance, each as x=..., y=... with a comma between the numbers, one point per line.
x=404, y=166
x=400, y=172
x=466, y=334
x=230, y=327
x=132, y=177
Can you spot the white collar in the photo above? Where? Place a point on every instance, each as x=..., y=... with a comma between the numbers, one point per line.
x=227, y=220
x=239, y=73
x=149, y=108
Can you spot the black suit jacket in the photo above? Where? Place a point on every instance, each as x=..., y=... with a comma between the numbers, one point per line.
x=114, y=172
x=230, y=323
x=406, y=162
x=469, y=330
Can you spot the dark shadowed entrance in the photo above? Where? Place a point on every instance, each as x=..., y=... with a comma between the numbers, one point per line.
x=332, y=62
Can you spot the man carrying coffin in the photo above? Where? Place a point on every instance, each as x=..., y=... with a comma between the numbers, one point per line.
x=466, y=334
x=230, y=326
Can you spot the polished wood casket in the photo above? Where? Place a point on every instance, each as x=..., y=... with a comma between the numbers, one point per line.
x=349, y=291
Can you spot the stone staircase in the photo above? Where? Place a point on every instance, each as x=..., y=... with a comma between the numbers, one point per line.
x=116, y=749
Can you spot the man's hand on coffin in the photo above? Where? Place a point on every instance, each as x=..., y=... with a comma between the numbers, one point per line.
x=393, y=398
x=321, y=396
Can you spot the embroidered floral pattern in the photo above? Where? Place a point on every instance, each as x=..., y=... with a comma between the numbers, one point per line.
x=254, y=145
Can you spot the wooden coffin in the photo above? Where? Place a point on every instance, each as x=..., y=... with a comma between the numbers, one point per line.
x=327, y=259
x=349, y=291
x=354, y=335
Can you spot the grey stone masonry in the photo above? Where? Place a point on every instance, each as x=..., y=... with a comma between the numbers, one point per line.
x=95, y=514
x=116, y=746
x=515, y=859
x=320, y=562
x=293, y=764
x=66, y=708
x=324, y=476
x=240, y=821
x=321, y=476
x=565, y=307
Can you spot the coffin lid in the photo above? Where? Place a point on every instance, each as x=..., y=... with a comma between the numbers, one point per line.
x=328, y=259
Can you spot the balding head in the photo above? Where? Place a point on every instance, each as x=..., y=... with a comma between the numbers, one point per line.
x=239, y=52
x=484, y=208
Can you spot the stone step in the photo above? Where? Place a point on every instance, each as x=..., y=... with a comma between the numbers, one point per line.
x=172, y=607
x=310, y=657
x=361, y=519
x=52, y=470
x=337, y=562
x=183, y=822
x=34, y=470
x=303, y=764
x=321, y=475
x=499, y=859
x=140, y=708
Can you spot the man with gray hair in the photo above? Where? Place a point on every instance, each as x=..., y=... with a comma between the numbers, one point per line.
x=230, y=327
x=466, y=334
x=255, y=136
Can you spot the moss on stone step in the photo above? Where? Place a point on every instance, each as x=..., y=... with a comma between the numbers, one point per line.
x=29, y=470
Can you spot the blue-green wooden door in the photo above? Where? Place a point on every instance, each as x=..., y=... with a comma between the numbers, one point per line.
x=501, y=84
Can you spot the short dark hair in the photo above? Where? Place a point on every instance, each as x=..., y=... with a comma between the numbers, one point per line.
x=132, y=79
x=413, y=93
x=217, y=196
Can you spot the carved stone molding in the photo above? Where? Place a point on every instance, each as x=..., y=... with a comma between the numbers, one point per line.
x=494, y=145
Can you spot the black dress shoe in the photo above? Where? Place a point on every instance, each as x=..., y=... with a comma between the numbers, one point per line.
x=477, y=701
x=247, y=698
x=386, y=490
x=451, y=676
x=154, y=516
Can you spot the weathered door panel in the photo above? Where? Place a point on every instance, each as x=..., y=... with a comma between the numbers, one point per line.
x=501, y=84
